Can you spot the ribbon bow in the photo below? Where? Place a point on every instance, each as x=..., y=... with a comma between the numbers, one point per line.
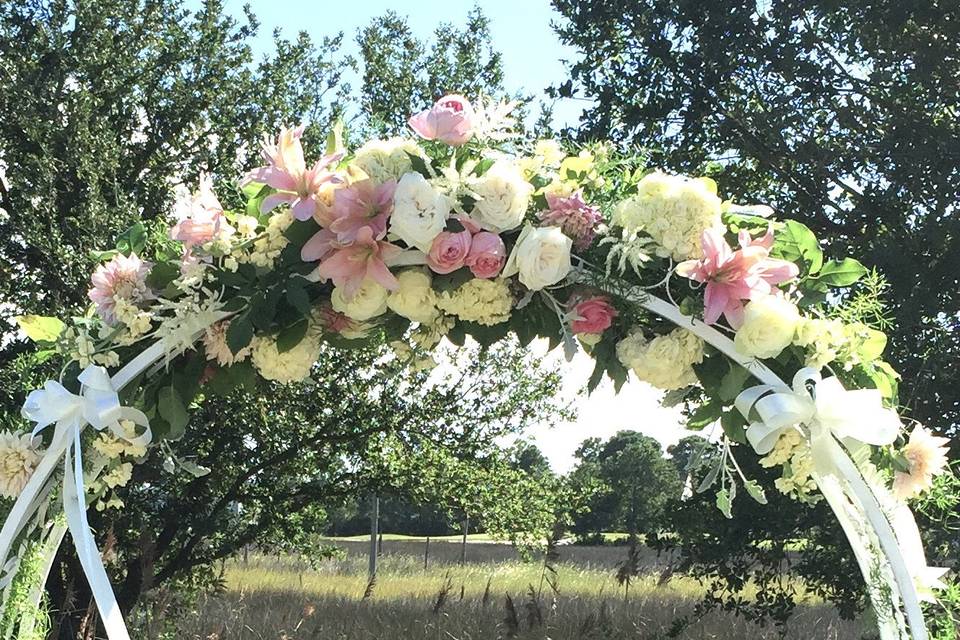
x=822, y=405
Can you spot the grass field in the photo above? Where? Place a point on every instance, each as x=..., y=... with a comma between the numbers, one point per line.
x=494, y=595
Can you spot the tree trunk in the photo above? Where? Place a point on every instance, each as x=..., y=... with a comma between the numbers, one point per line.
x=374, y=526
x=463, y=544
x=426, y=554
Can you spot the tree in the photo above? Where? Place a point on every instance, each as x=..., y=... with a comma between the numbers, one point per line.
x=842, y=116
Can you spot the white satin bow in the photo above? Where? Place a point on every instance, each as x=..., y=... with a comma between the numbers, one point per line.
x=822, y=405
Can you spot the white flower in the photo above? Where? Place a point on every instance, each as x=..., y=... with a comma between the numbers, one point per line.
x=769, y=324
x=19, y=456
x=384, y=160
x=486, y=302
x=290, y=366
x=541, y=257
x=369, y=301
x=666, y=362
x=927, y=456
x=415, y=299
x=119, y=476
x=419, y=211
x=215, y=344
x=674, y=211
x=550, y=151
x=504, y=197
x=246, y=225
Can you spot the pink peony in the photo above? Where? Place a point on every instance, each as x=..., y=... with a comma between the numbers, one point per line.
x=123, y=277
x=578, y=219
x=365, y=258
x=362, y=204
x=487, y=255
x=594, y=315
x=734, y=276
x=450, y=120
x=449, y=251
x=201, y=217
x=286, y=171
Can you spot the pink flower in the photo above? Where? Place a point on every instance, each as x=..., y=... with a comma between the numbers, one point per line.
x=734, y=276
x=365, y=258
x=362, y=204
x=449, y=251
x=123, y=277
x=927, y=457
x=578, y=219
x=201, y=217
x=450, y=120
x=286, y=171
x=594, y=315
x=333, y=321
x=487, y=255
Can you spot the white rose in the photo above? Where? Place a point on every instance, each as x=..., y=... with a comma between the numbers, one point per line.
x=769, y=324
x=369, y=301
x=415, y=299
x=419, y=211
x=541, y=257
x=504, y=196
x=384, y=160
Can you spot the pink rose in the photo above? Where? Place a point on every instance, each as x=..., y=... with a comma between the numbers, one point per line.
x=449, y=251
x=450, y=120
x=594, y=315
x=487, y=255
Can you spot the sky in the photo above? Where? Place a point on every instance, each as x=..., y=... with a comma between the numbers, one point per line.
x=533, y=60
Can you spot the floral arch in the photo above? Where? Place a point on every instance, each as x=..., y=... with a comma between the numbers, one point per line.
x=467, y=229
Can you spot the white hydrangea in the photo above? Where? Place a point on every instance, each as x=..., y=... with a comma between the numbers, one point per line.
x=666, y=362
x=674, y=211
x=486, y=302
x=290, y=366
x=19, y=456
x=415, y=300
x=384, y=160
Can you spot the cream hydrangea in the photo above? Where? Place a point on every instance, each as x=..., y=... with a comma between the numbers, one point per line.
x=111, y=446
x=822, y=338
x=674, y=211
x=415, y=300
x=504, y=196
x=769, y=325
x=267, y=248
x=384, y=160
x=290, y=366
x=119, y=476
x=19, y=455
x=369, y=301
x=486, y=302
x=215, y=344
x=666, y=362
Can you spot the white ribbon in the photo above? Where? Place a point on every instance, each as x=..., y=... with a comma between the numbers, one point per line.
x=822, y=405
x=99, y=405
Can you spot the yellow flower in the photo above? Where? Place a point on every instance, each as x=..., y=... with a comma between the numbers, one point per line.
x=486, y=302
x=666, y=362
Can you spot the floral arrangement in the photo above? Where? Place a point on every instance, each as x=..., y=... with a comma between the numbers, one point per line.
x=464, y=228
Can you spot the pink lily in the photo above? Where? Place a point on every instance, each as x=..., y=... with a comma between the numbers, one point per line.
x=287, y=172
x=362, y=204
x=734, y=276
x=365, y=258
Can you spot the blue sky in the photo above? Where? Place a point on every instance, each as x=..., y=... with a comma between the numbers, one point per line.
x=521, y=30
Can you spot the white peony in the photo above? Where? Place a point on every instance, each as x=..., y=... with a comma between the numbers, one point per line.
x=19, y=455
x=384, y=160
x=541, y=257
x=666, y=362
x=674, y=211
x=419, y=211
x=415, y=300
x=369, y=301
x=504, y=197
x=769, y=324
x=290, y=366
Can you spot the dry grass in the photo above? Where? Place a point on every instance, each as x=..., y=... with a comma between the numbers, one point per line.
x=495, y=595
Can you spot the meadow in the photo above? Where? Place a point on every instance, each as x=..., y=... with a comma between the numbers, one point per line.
x=495, y=594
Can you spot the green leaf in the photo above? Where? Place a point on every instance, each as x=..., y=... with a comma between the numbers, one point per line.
x=710, y=478
x=733, y=382
x=133, y=240
x=841, y=274
x=297, y=295
x=725, y=503
x=797, y=243
x=239, y=333
x=292, y=335
x=705, y=415
x=300, y=231
x=162, y=274
x=756, y=491
x=100, y=256
x=734, y=426
x=172, y=409
x=335, y=137
x=872, y=346
x=419, y=165
x=41, y=328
